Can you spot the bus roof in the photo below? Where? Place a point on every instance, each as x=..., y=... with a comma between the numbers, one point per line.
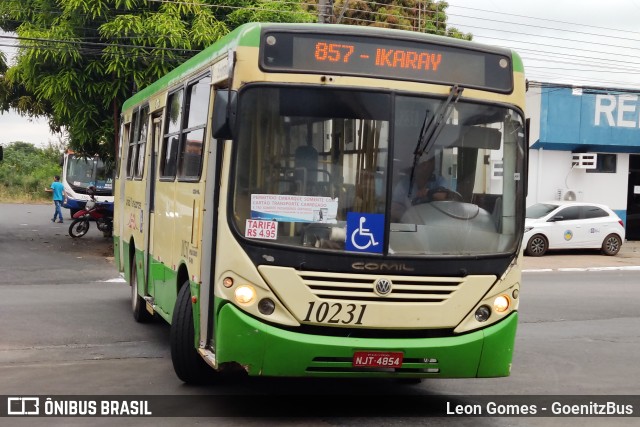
x=249, y=35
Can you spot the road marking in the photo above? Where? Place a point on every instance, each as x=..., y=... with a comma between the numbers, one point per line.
x=116, y=280
x=566, y=269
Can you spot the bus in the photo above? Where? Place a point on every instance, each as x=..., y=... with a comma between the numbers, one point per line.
x=272, y=204
x=81, y=172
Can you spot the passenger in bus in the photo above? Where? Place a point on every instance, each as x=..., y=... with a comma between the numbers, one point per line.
x=306, y=164
x=425, y=188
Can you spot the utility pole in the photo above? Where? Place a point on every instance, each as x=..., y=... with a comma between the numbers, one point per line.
x=325, y=11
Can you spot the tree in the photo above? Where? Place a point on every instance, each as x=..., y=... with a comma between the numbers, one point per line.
x=80, y=59
x=26, y=170
x=414, y=15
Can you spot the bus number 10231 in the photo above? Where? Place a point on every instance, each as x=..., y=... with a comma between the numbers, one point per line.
x=336, y=312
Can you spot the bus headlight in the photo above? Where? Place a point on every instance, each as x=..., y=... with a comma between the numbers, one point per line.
x=482, y=313
x=245, y=294
x=501, y=303
x=266, y=306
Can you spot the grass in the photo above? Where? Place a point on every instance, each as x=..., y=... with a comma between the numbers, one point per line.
x=25, y=198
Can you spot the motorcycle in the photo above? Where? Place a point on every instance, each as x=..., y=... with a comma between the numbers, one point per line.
x=101, y=213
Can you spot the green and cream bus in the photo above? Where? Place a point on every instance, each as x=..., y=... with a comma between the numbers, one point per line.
x=272, y=204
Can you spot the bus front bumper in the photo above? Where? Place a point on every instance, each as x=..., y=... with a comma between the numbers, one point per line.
x=73, y=204
x=263, y=349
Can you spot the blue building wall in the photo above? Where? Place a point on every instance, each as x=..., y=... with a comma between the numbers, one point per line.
x=589, y=120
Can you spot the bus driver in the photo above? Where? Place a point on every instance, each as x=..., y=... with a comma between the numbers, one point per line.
x=425, y=184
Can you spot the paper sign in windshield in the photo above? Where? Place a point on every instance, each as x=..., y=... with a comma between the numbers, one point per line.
x=289, y=208
x=260, y=229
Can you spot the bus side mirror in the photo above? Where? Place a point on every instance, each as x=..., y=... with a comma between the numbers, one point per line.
x=224, y=114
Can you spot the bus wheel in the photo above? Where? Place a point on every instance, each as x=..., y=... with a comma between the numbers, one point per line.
x=138, y=304
x=187, y=363
x=409, y=381
x=537, y=245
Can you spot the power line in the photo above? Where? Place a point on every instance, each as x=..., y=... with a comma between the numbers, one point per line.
x=83, y=43
x=528, y=49
x=589, y=65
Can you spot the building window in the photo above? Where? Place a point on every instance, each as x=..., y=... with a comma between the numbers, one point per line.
x=605, y=163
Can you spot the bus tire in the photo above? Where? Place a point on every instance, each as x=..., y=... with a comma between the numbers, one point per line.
x=138, y=304
x=187, y=363
x=409, y=381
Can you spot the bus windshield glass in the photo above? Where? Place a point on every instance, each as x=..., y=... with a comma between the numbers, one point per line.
x=308, y=159
x=83, y=172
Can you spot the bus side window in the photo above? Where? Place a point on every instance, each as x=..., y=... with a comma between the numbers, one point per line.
x=197, y=104
x=169, y=151
x=133, y=145
x=141, y=139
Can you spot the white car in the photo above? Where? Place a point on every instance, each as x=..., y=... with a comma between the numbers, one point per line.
x=572, y=225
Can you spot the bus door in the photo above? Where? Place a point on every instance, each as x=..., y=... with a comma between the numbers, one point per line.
x=212, y=171
x=154, y=270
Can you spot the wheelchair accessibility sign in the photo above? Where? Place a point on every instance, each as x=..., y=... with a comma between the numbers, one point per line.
x=365, y=232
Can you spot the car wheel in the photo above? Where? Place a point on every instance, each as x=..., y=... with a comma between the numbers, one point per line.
x=611, y=244
x=537, y=245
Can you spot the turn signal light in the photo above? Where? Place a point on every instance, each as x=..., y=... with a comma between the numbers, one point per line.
x=227, y=282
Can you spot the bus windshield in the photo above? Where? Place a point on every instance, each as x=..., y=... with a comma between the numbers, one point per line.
x=82, y=172
x=307, y=158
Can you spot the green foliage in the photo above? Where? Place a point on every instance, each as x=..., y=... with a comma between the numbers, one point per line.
x=80, y=59
x=26, y=171
x=425, y=16
x=269, y=11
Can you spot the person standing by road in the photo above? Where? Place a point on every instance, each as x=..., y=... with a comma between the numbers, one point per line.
x=58, y=195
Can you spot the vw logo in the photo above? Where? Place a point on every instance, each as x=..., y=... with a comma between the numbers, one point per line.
x=382, y=287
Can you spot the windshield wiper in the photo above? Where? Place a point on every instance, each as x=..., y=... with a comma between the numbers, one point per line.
x=430, y=131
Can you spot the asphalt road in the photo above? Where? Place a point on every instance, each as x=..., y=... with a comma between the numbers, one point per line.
x=66, y=329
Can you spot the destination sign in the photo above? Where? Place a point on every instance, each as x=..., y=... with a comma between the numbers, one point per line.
x=386, y=58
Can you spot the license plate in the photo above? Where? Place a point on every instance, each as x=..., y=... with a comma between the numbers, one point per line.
x=377, y=359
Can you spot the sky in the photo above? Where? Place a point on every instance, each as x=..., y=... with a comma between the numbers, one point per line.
x=575, y=42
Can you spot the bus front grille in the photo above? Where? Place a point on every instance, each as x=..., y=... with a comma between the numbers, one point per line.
x=362, y=287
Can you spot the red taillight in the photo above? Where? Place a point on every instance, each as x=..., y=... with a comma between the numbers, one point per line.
x=621, y=223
